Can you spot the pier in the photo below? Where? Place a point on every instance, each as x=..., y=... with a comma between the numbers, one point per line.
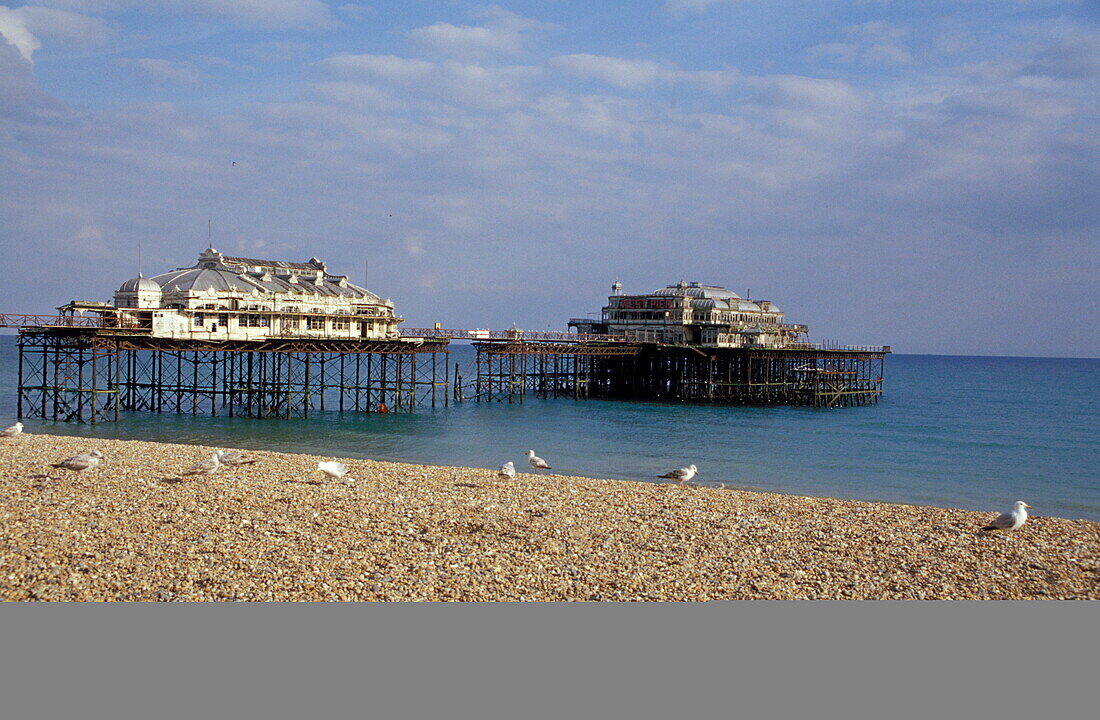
x=246, y=337
x=89, y=374
x=84, y=369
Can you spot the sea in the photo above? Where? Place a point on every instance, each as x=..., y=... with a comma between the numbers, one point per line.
x=951, y=431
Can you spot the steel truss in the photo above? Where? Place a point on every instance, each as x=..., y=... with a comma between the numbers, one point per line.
x=807, y=377
x=67, y=378
x=88, y=377
x=508, y=372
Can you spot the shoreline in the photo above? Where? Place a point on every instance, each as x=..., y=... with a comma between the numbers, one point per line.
x=130, y=530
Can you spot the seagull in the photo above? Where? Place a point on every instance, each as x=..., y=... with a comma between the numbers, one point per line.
x=234, y=459
x=12, y=431
x=81, y=462
x=1011, y=520
x=682, y=475
x=205, y=467
x=334, y=470
x=507, y=471
x=536, y=462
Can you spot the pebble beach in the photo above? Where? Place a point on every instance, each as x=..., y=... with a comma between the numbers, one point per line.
x=133, y=530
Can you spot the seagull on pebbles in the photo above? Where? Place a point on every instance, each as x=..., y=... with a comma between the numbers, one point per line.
x=682, y=475
x=536, y=462
x=234, y=459
x=507, y=471
x=81, y=462
x=1011, y=520
x=205, y=467
x=335, y=470
x=12, y=430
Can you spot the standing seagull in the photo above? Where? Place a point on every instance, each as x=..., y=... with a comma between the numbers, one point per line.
x=81, y=462
x=1011, y=520
x=682, y=475
x=507, y=471
x=536, y=462
x=234, y=459
x=205, y=467
x=12, y=431
x=335, y=470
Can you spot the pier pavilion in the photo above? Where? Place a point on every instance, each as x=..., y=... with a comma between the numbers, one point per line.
x=235, y=298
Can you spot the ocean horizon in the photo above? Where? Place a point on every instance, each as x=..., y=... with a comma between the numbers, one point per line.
x=974, y=432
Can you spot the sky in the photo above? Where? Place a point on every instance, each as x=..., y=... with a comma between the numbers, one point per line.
x=920, y=174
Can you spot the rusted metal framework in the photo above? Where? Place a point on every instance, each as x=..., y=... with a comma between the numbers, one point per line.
x=507, y=372
x=78, y=375
x=807, y=377
x=92, y=374
x=68, y=377
x=24, y=320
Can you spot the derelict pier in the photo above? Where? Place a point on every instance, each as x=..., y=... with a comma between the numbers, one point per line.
x=242, y=337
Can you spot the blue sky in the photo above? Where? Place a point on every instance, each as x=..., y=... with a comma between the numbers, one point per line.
x=920, y=174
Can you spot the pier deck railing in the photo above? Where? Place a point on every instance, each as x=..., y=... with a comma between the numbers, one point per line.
x=19, y=320
x=24, y=320
x=513, y=334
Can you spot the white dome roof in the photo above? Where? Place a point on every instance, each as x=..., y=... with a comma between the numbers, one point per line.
x=698, y=290
x=203, y=279
x=139, y=284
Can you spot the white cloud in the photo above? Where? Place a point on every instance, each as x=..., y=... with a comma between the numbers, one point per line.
x=303, y=14
x=21, y=100
x=504, y=33
x=620, y=72
x=692, y=6
x=870, y=43
x=1076, y=57
x=414, y=245
x=90, y=241
x=382, y=67
x=394, y=80
x=63, y=25
x=177, y=72
x=467, y=41
x=13, y=28
x=634, y=74
x=807, y=92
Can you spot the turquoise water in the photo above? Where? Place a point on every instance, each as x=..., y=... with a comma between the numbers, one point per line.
x=971, y=432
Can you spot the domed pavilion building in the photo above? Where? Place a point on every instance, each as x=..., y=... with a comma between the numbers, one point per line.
x=222, y=297
x=690, y=313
